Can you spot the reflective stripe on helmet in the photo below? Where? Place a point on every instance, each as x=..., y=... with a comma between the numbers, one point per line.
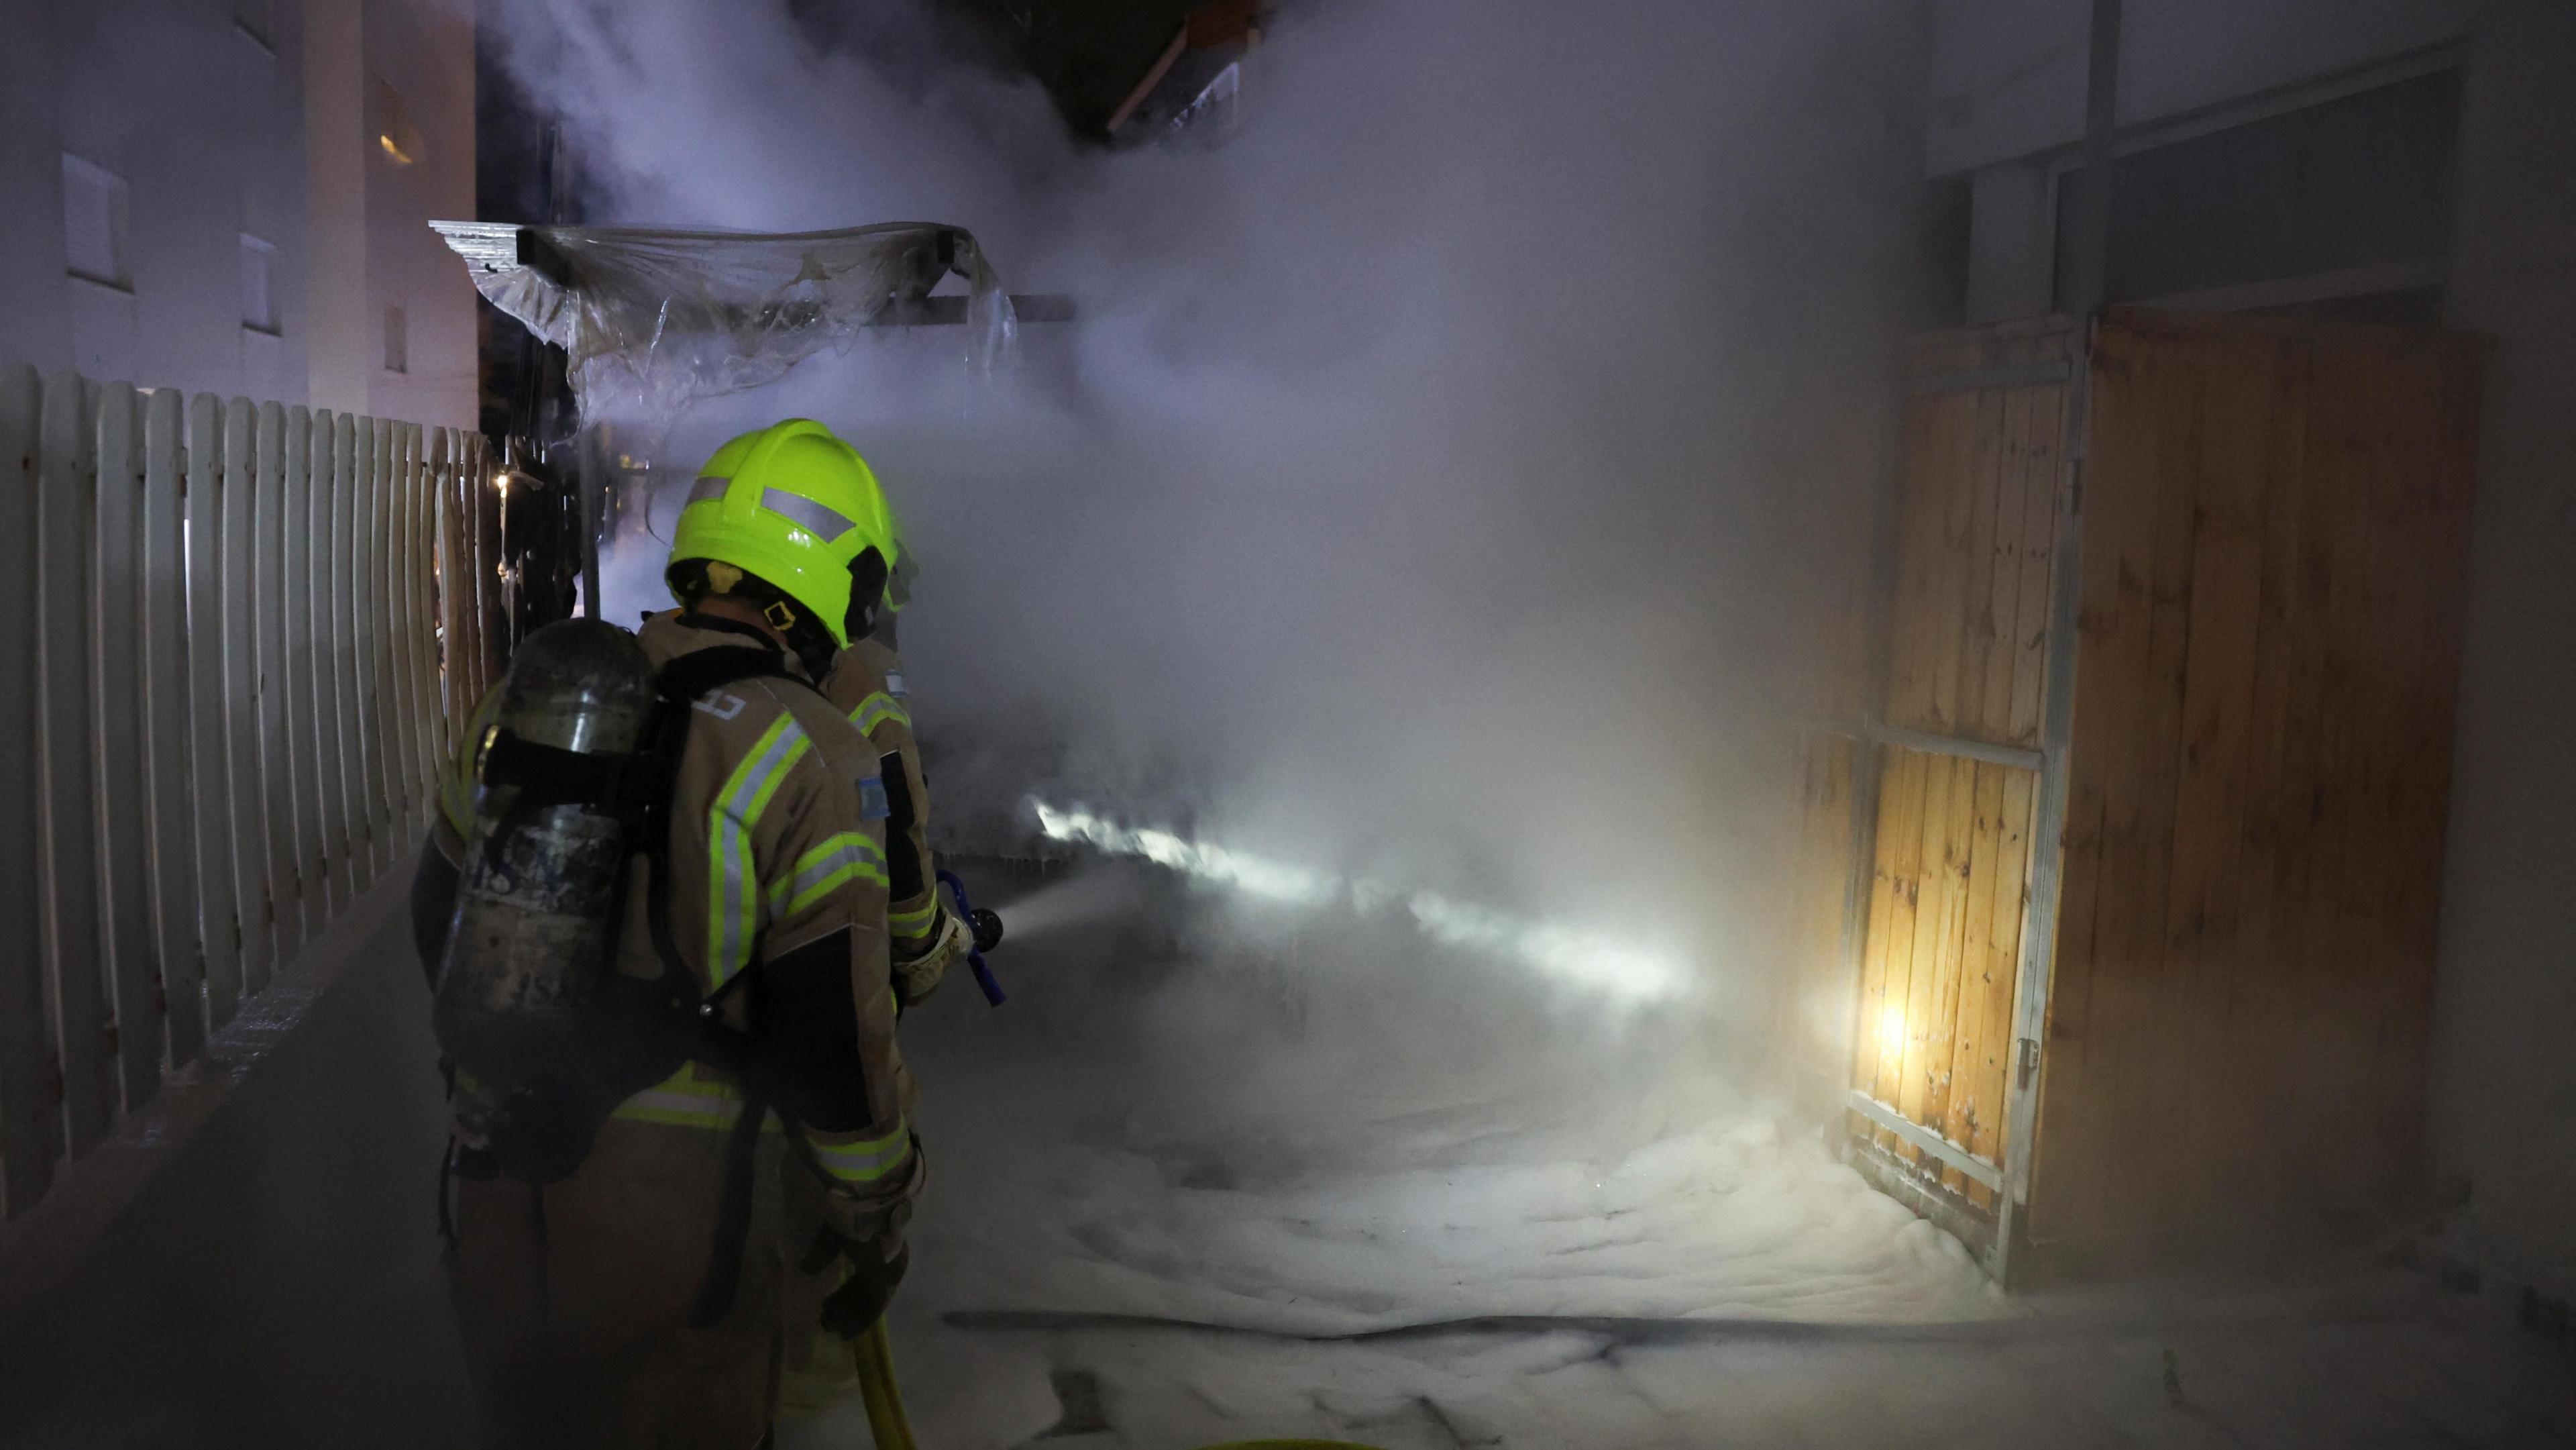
x=822, y=870
x=817, y=518
x=734, y=902
x=820, y=520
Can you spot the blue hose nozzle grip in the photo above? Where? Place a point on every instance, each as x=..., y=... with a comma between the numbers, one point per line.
x=984, y=978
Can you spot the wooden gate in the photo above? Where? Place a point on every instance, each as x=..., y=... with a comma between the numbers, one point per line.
x=2275, y=548
x=1950, y=762
x=2220, y=649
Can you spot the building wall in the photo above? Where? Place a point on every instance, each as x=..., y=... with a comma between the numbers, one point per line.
x=391, y=87
x=2505, y=1071
x=425, y=50
x=201, y=109
x=2009, y=83
x=199, y=120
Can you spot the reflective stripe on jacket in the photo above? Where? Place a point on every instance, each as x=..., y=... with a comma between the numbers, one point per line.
x=866, y=684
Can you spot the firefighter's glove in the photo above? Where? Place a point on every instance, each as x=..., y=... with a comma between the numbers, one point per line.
x=919, y=964
x=861, y=1300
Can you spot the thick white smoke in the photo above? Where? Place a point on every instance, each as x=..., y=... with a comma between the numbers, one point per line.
x=1455, y=479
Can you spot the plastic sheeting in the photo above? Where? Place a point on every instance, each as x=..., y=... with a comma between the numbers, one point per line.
x=655, y=319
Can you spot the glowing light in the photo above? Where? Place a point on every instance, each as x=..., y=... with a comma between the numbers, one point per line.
x=1891, y=1029
x=394, y=150
x=1606, y=963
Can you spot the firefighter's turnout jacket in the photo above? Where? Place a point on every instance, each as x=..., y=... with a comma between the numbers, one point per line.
x=575, y=1296
x=867, y=685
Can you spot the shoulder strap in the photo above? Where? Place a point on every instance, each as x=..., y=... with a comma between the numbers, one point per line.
x=679, y=684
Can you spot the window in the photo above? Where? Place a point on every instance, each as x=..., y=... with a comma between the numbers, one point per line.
x=2352, y=192
x=258, y=20
x=94, y=224
x=397, y=343
x=258, y=279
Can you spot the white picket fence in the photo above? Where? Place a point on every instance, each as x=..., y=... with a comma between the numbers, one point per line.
x=228, y=672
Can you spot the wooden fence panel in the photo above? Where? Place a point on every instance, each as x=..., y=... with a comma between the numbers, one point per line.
x=404, y=744
x=164, y=646
x=307, y=510
x=64, y=567
x=371, y=588
x=422, y=538
x=229, y=702
x=330, y=432
x=1894, y=900
x=489, y=604
x=385, y=732
x=31, y=1116
x=209, y=753
x=277, y=461
x=115, y=660
x=346, y=450
x=359, y=489
x=469, y=573
x=408, y=595
x=253, y=908
x=288, y=677
x=464, y=647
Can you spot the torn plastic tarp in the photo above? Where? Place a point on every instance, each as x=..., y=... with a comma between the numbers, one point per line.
x=654, y=319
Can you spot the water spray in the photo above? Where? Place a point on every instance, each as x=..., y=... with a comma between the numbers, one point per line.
x=1609, y=963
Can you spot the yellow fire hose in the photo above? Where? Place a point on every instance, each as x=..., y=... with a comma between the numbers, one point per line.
x=893, y=1431
x=886, y=1420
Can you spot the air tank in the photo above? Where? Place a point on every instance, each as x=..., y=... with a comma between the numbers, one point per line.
x=537, y=909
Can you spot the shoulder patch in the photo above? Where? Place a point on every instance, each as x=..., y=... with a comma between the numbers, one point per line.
x=894, y=684
x=872, y=799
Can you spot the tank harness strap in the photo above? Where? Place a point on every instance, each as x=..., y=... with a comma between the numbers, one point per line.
x=549, y=775
x=733, y=1215
x=680, y=684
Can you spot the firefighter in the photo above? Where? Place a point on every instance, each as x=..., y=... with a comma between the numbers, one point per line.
x=636, y=1301
x=867, y=684
x=928, y=936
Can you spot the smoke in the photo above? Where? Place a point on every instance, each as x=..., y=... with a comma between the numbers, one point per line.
x=1455, y=478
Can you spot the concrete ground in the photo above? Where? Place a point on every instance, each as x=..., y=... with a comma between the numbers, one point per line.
x=277, y=1282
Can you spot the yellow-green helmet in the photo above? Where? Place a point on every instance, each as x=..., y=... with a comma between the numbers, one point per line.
x=795, y=506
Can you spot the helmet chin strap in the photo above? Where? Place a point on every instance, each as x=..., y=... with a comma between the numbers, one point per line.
x=806, y=637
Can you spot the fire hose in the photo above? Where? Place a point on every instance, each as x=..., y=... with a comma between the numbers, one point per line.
x=887, y=1422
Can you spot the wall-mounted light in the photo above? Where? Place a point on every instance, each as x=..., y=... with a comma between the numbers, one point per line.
x=396, y=136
